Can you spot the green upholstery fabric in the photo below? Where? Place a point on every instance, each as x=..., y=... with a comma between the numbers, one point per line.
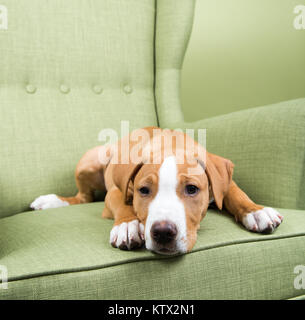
x=173, y=28
x=267, y=146
x=76, y=46
x=65, y=253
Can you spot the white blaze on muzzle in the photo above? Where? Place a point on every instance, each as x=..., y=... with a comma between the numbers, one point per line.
x=167, y=206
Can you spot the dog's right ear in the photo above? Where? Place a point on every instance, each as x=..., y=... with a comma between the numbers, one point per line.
x=123, y=177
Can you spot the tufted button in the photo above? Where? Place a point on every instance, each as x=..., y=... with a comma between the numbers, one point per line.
x=30, y=88
x=64, y=89
x=127, y=89
x=97, y=89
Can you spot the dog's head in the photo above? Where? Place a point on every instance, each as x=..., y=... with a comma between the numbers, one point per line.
x=171, y=199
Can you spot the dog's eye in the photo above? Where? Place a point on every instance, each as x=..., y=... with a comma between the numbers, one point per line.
x=190, y=189
x=144, y=191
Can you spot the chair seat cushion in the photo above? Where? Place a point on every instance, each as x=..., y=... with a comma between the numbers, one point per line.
x=65, y=254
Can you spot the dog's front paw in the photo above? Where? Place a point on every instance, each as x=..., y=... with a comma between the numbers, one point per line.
x=127, y=235
x=47, y=202
x=265, y=220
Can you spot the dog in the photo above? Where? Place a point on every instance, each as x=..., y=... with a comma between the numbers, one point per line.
x=160, y=203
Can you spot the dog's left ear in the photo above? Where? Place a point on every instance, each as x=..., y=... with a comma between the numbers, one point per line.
x=123, y=177
x=219, y=171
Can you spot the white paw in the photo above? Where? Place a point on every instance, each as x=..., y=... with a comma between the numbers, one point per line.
x=264, y=220
x=127, y=235
x=47, y=202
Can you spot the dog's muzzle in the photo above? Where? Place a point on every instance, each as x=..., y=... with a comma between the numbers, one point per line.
x=164, y=236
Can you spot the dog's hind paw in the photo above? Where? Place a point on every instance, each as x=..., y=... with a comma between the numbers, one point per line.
x=265, y=220
x=47, y=202
x=127, y=235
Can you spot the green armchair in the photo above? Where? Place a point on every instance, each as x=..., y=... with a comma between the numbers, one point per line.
x=70, y=69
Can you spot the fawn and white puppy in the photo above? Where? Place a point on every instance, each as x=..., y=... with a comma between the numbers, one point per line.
x=159, y=192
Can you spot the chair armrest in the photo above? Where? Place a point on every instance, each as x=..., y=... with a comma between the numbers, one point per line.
x=267, y=146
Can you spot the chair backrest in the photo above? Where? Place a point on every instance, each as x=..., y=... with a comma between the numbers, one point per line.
x=69, y=69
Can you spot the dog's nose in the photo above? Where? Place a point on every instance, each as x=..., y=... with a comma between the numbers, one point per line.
x=163, y=232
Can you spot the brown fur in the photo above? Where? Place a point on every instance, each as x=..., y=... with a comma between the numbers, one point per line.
x=121, y=181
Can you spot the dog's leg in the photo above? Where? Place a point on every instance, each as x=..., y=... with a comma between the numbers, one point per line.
x=254, y=217
x=89, y=176
x=127, y=232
